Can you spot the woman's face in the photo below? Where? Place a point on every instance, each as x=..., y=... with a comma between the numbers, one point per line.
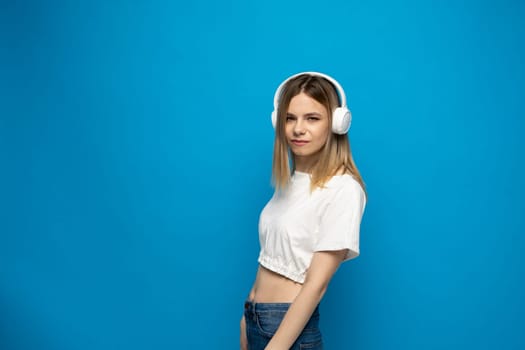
x=307, y=128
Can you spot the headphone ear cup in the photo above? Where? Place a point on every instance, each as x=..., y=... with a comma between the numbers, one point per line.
x=341, y=120
x=274, y=119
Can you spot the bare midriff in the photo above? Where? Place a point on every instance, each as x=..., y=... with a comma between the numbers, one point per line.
x=271, y=287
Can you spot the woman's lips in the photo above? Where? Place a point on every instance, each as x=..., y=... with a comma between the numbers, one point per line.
x=299, y=142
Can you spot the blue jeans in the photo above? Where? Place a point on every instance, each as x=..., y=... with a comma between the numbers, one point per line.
x=263, y=319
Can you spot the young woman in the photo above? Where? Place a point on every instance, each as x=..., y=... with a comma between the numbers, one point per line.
x=311, y=224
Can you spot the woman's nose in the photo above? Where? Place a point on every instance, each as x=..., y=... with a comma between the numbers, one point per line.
x=298, y=127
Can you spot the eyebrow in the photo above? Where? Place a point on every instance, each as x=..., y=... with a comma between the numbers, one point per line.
x=311, y=114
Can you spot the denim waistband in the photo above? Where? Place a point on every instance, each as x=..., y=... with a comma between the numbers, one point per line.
x=251, y=306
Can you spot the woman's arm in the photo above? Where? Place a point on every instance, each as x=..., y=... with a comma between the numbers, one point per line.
x=243, y=339
x=322, y=268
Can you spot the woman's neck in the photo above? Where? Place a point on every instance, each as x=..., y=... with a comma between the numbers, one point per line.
x=305, y=164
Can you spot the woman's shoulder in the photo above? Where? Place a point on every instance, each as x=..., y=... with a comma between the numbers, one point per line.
x=344, y=181
x=344, y=187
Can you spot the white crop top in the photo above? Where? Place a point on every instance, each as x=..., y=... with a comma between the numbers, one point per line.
x=296, y=223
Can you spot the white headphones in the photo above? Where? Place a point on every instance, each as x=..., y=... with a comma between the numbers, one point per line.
x=341, y=116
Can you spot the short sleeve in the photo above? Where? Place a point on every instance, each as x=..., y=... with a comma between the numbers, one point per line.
x=341, y=220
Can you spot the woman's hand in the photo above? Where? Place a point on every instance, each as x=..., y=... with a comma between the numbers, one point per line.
x=244, y=340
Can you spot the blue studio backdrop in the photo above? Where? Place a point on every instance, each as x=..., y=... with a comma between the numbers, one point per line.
x=135, y=152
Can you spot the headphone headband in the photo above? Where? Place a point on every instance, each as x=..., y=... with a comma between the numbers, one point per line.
x=338, y=87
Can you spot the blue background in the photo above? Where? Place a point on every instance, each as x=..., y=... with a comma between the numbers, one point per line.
x=135, y=150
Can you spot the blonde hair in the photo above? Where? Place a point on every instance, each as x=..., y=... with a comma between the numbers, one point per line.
x=334, y=157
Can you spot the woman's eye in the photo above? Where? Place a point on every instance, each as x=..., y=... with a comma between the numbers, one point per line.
x=313, y=118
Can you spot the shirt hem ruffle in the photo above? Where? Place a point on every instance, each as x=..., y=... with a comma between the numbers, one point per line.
x=271, y=265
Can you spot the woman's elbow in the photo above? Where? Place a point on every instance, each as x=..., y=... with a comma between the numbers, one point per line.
x=316, y=289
